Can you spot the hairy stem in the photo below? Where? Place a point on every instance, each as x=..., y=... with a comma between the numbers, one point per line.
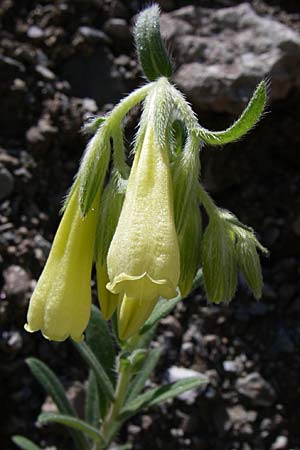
x=109, y=429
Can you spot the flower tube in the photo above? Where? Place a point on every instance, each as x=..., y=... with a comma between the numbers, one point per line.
x=143, y=259
x=60, y=304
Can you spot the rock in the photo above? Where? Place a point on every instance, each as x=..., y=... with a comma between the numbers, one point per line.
x=45, y=73
x=94, y=35
x=172, y=27
x=175, y=373
x=10, y=68
x=282, y=342
x=172, y=324
x=39, y=136
x=231, y=366
x=296, y=227
x=35, y=32
x=16, y=280
x=49, y=406
x=6, y=183
x=239, y=416
x=15, y=341
x=119, y=31
x=89, y=105
x=281, y=442
x=76, y=395
x=228, y=51
x=104, y=85
x=256, y=389
x=41, y=248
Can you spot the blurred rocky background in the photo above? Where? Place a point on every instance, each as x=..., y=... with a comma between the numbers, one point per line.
x=62, y=61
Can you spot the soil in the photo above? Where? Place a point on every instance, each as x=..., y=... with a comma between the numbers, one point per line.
x=55, y=72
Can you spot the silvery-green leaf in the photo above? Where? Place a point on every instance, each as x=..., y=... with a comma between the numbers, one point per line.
x=24, y=443
x=74, y=423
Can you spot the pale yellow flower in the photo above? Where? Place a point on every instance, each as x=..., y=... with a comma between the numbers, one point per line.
x=60, y=304
x=143, y=259
x=132, y=314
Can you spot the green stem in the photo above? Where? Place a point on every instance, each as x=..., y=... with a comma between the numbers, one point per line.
x=186, y=113
x=108, y=430
x=119, y=152
x=209, y=205
x=117, y=114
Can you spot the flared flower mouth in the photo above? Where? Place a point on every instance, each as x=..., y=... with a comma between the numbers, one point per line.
x=142, y=287
x=55, y=337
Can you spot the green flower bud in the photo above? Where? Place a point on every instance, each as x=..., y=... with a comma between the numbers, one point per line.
x=219, y=260
x=93, y=168
x=110, y=207
x=185, y=173
x=248, y=260
x=189, y=239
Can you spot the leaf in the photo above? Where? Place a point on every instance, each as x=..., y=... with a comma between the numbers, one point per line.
x=101, y=375
x=72, y=422
x=161, y=310
x=47, y=378
x=92, y=410
x=246, y=121
x=25, y=443
x=140, y=379
x=160, y=395
x=97, y=333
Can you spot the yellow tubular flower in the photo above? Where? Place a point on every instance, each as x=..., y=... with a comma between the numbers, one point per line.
x=143, y=259
x=108, y=301
x=60, y=304
x=132, y=314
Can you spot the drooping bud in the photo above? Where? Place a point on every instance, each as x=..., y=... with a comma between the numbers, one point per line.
x=248, y=260
x=110, y=207
x=190, y=249
x=219, y=260
x=93, y=168
x=185, y=173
